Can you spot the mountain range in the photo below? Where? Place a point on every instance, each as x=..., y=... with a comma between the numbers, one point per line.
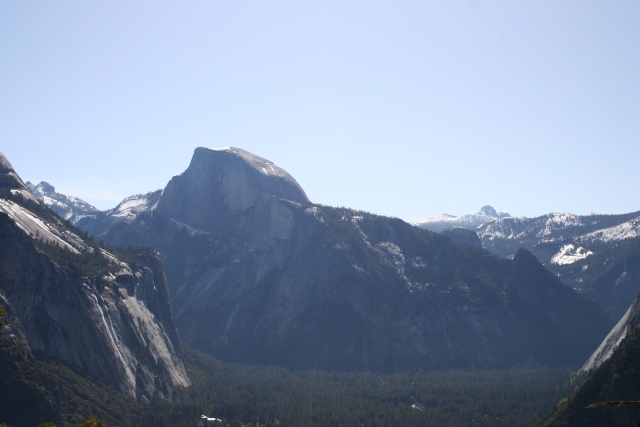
x=257, y=273
x=597, y=255
x=250, y=270
x=444, y=222
x=66, y=207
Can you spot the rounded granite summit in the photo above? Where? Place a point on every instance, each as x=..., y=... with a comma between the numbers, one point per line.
x=221, y=181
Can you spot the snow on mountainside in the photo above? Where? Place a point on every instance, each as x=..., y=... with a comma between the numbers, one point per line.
x=67, y=207
x=589, y=253
x=445, y=222
x=39, y=229
x=570, y=254
x=125, y=213
x=626, y=230
x=132, y=206
x=75, y=210
x=504, y=236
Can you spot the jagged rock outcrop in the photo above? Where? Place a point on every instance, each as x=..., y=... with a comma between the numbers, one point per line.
x=83, y=305
x=259, y=274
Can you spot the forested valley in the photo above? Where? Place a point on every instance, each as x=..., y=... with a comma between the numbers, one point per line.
x=52, y=394
x=270, y=396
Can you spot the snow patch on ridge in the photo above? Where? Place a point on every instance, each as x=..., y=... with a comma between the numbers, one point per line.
x=626, y=230
x=569, y=254
x=189, y=229
x=36, y=227
x=26, y=194
x=487, y=214
x=132, y=206
x=68, y=207
x=559, y=221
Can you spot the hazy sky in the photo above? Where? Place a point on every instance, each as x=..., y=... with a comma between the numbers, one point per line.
x=401, y=108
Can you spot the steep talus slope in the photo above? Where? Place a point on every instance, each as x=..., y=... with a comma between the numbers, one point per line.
x=259, y=274
x=83, y=305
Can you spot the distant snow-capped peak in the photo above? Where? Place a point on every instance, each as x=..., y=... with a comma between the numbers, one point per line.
x=67, y=207
x=471, y=221
x=130, y=207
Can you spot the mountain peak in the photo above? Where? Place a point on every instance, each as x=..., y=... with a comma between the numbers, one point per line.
x=489, y=211
x=471, y=221
x=222, y=181
x=5, y=166
x=44, y=187
x=67, y=207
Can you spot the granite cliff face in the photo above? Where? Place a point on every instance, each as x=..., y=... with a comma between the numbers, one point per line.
x=221, y=183
x=625, y=326
x=259, y=274
x=611, y=376
x=83, y=305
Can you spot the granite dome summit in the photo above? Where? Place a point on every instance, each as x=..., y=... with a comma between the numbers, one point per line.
x=224, y=180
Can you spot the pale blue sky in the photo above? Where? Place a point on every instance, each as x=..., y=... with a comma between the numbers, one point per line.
x=401, y=108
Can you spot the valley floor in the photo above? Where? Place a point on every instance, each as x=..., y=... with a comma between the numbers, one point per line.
x=271, y=396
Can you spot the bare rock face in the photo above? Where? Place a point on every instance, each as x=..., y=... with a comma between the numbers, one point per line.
x=220, y=183
x=85, y=306
x=10, y=182
x=625, y=326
